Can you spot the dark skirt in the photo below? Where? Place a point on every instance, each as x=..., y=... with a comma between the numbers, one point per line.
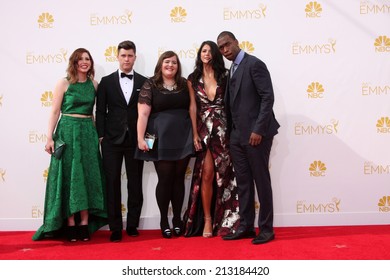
x=174, y=140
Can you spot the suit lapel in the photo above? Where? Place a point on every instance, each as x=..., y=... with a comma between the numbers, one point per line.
x=237, y=78
x=136, y=87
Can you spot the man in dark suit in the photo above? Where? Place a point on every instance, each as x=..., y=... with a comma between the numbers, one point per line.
x=249, y=103
x=116, y=122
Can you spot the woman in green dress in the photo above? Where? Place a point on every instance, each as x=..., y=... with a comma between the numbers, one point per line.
x=75, y=201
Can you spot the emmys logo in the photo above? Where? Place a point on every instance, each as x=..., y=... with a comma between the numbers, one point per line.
x=229, y=14
x=371, y=169
x=60, y=57
x=45, y=20
x=317, y=169
x=326, y=48
x=36, y=212
x=247, y=46
x=315, y=90
x=125, y=18
x=382, y=44
x=178, y=14
x=313, y=10
x=34, y=137
x=384, y=204
x=368, y=89
x=307, y=129
x=47, y=98
x=367, y=8
x=383, y=125
x=45, y=174
x=1, y=100
x=111, y=54
x=182, y=54
x=2, y=175
x=330, y=207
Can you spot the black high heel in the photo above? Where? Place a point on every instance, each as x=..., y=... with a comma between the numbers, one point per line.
x=84, y=233
x=177, y=231
x=71, y=233
x=166, y=233
x=177, y=227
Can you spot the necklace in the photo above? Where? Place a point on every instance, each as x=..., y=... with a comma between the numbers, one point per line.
x=170, y=87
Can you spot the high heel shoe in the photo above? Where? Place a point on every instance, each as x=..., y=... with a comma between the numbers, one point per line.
x=177, y=231
x=84, y=233
x=71, y=233
x=166, y=233
x=207, y=234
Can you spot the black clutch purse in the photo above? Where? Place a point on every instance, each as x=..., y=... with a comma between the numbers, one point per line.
x=59, y=147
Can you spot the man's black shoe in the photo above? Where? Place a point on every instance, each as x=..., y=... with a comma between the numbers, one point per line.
x=116, y=236
x=132, y=231
x=263, y=237
x=240, y=234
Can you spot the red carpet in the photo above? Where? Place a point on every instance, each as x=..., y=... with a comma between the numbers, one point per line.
x=291, y=243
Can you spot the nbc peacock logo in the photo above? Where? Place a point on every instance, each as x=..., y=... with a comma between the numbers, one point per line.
x=247, y=46
x=313, y=10
x=315, y=90
x=383, y=125
x=45, y=174
x=257, y=207
x=317, y=169
x=45, y=20
x=2, y=175
x=111, y=54
x=178, y=14
x=123, y=209
x=384, y=203
x=188, y=175
x=47, y=98
x=382, y=44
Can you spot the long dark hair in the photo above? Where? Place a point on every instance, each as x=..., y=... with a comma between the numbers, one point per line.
x=216, y=63
x=158, y=78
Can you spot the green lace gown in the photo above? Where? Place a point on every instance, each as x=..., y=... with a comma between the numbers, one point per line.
x=75, y=181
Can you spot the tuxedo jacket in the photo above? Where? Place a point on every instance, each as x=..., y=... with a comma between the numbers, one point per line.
x=249, y=100
x=114, y=116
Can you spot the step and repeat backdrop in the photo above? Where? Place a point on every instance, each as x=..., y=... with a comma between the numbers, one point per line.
x=330, y=66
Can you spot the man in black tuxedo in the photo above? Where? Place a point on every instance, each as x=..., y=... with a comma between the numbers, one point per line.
x=116, y=123
x=249, y=103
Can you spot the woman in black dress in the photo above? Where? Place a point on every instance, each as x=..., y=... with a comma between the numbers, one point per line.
x=163, y=115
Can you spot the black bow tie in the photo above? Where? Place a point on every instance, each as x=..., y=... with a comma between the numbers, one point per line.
x=125, y=75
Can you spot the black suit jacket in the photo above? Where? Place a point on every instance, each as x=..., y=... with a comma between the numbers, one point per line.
x=114, y=117
x=250, y=98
